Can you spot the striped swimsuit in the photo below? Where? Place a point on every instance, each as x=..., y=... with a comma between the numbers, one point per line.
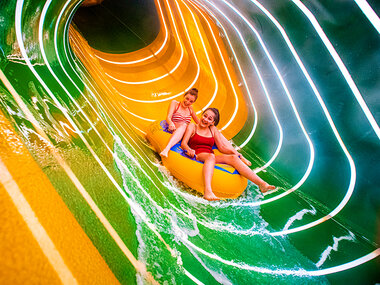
x=178, y=118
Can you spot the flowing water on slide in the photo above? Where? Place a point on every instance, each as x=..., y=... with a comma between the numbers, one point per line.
x=180, y=237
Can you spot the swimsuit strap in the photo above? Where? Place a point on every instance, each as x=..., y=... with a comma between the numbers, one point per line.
x=195, y=133
x=212, y=135
x=177, y=107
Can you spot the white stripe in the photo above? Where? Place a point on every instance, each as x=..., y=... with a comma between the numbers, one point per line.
x=74, y=179
x=46, y=244
x=196, y=60
x=352, y=165
x=150, y=56
x=204, y=49
x=279, y=145
x=332, y=125
x=166, y=74
x=69, y=172
x=140, y=267
x=295, y=272
x=341, y=66
x=370, y=14
x=225, y=67
x=311, y=147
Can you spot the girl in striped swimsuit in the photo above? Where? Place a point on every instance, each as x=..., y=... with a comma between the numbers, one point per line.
x=198, y=141
x=178, y=117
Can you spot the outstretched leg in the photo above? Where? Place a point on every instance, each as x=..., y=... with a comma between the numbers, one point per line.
x=208, y=171
x=246, y=161
x=175, y=138
x=244, y=170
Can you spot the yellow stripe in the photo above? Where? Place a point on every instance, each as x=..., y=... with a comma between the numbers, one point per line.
x=22, y=260
x=35, y=226
x=139, y=266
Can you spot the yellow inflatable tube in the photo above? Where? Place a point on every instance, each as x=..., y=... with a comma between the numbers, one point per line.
x=226, y=182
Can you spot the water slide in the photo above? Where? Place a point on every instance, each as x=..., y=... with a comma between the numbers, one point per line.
x=84, y=197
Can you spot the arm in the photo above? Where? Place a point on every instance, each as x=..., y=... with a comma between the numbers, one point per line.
x=194, y=116
x=184, y=144
x=170, y=114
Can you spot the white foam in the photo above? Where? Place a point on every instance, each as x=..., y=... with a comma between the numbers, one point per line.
x=327, y=252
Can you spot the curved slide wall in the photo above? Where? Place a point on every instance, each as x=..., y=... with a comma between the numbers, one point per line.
x=86, y=200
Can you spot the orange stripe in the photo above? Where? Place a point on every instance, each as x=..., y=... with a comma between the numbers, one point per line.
x=29, y=262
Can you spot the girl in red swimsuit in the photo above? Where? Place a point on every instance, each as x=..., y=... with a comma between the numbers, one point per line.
x=178, y=117
x=198, y=141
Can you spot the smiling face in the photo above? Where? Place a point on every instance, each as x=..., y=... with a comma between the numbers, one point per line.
x=188, y=100
x=208, y=118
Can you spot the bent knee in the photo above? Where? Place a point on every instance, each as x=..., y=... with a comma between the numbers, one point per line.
x=234, y=156
x=211, y=157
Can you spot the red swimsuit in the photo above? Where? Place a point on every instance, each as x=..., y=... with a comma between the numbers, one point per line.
x=201, y=144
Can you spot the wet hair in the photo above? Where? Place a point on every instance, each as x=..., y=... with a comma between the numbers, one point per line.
x=194, y=92
x=216, y=113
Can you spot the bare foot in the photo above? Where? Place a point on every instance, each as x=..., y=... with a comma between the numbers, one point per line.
x=266, y=187
x=164, y=153
x=210, y=196
x=246, y=161
x=214, y=198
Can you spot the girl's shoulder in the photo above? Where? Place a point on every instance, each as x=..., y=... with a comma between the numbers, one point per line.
x=190, y=129
x=214, y=130
x=174, y=105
